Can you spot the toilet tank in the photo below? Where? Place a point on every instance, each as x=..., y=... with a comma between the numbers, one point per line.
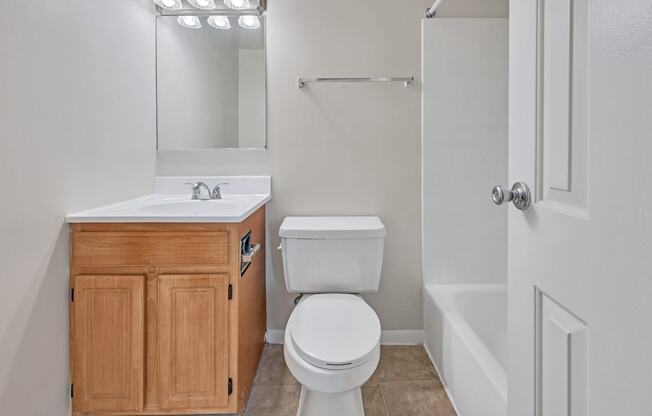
x=332, y=254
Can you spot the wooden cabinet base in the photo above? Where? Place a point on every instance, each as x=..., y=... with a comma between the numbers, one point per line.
x=162, y=321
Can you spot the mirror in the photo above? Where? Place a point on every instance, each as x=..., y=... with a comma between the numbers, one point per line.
x=210, y=83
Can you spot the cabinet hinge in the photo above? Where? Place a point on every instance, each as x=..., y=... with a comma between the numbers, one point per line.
x=230, y=386
x=72, y=294
x=230, y=291
x=72, y=391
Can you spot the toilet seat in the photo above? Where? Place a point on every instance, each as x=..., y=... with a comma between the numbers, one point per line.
x=334, y=331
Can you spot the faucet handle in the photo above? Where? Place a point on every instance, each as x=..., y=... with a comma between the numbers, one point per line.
x=200, y=190
x=195, y=189
x=217, y=191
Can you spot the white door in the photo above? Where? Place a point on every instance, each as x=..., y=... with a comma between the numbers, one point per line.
x=580, y=258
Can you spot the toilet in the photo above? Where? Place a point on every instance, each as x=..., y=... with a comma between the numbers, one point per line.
x=332, y=339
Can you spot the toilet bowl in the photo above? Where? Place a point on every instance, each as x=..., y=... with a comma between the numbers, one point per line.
x=332, y=338
x=332, y=347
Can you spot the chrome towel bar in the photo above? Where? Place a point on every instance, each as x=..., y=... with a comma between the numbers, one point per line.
x=408, y=81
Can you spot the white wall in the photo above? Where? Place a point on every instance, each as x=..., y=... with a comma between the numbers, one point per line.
x=465, y=74
x=77, y=129
x=342, y=149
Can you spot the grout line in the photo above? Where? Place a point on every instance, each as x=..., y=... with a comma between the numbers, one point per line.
x=382, y=396
x=409, y=381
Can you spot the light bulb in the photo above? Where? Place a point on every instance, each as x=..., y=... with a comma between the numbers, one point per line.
x=191, y=22
x=249, y=22
x=219, y=22
x=169, y=4
x=237, y=4
x=203, y=4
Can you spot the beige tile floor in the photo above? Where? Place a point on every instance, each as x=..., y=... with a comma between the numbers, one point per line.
x=405, y=383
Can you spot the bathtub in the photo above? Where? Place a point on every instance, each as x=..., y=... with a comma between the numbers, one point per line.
x=465, y=332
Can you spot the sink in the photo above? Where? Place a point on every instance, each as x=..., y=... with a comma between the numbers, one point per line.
x=175, y=208
x=171, y=202
x=192, y=207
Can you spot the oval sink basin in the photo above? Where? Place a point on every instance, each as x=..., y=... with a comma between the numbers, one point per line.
x=192, y=207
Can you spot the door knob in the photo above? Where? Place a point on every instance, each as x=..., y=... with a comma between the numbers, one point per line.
x=519, y=195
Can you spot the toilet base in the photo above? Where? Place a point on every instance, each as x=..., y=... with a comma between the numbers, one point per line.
x=315, y=403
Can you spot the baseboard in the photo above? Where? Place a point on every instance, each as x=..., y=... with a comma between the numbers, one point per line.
x=275, y=336
x=398, y=337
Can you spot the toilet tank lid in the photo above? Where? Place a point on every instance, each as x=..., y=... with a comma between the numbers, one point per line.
x=332, y=228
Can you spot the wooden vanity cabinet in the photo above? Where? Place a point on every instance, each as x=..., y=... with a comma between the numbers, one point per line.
x=162, y=322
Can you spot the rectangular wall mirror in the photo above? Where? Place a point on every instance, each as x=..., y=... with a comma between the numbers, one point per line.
x=211, y=82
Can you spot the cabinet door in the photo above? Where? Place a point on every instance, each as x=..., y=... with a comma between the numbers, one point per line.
x=193, y=341
x=108, y=343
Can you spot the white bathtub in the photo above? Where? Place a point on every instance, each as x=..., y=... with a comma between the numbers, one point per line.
x=465, y=330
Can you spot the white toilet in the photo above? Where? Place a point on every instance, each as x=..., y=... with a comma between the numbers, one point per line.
x=332, y=339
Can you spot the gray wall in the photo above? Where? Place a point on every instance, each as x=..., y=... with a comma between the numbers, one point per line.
x=472, y=8
x=342, y=149
x=464, y=153
x=77, y=128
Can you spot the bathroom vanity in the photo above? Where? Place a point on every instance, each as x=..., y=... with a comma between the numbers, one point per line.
x=168, y=310
x=167, y=295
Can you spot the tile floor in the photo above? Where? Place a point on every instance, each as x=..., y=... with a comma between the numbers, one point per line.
x=405, y=383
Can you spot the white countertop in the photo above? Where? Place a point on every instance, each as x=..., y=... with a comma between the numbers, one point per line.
x=176, y=207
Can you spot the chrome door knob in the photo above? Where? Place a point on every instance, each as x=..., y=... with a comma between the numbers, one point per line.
x=519, y=195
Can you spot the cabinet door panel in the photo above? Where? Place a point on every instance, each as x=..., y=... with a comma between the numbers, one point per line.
x=193, y=341
x=108, y=343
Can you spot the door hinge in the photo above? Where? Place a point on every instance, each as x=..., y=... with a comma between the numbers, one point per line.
x=230, y=291
x=72, y=294
x=72, y=391
x=230, y=386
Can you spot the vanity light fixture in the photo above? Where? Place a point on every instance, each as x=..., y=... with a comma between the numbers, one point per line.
x=203, y=4
x=249, y=22
x=169, y=4
x=237, y=4
x=191, y=22
x=219, y=22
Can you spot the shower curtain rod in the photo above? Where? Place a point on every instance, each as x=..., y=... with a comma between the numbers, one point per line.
x=432, y=10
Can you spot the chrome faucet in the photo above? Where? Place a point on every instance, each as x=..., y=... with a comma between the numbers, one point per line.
x=201, y=191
